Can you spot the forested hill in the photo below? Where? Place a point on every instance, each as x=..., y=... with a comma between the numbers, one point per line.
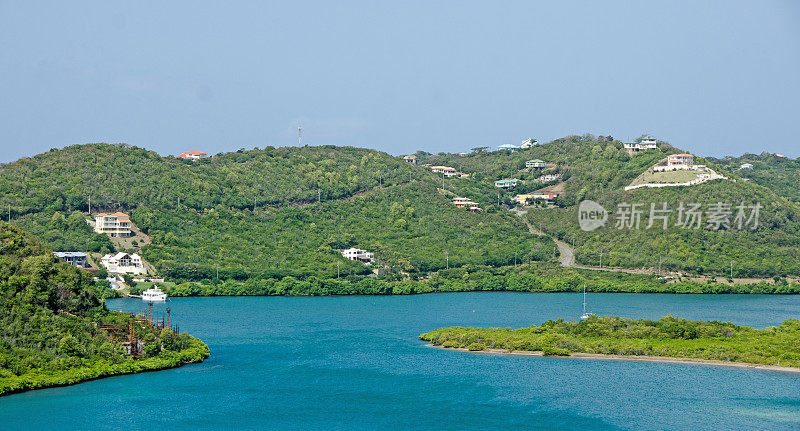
x=598, y=169
x=263, y=213
x=118, y=176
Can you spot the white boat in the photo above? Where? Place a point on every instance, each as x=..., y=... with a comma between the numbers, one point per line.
x=154, y=294
x=585, y=315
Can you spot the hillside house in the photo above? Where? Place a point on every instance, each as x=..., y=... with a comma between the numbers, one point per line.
x=523, y=199
x=74, y=258
x=536, y=163
x=124, y=263
x=411, y=159
x=466, y=203
x=193, y=155
x=511, y=147
x=746, y=166
x=648, y=142
x=446, y=170
x=546, y=178
x=677, y=162
x=506, y=183
x=115, y=225
x=358, y=255
x=528, y=144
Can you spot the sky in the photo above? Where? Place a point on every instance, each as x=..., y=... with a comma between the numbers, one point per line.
x=712, y=77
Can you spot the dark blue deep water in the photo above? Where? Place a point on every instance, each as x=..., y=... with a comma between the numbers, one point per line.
x=356, y=363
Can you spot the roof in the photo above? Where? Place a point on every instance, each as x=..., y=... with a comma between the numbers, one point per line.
x=508, y=146
x=535, y=161
x=116, y=214
x=410, y=157
x=69, y=254
x=681, y=154
x=194, y=152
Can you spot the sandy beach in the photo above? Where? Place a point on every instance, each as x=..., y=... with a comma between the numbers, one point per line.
x=632, y=358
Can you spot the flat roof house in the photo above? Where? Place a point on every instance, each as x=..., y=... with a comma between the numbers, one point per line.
x=446, y=170
x=536, y=163
x=116, y=225
x=358, y=255
x=683, y=159
x=466, y=203
x=124, y=263
x=529, y=143
x=746, y=166
x=74, y=258
x=193, y=155
x=506, y=184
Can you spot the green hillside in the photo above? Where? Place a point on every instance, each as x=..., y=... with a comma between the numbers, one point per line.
x=597, y=169
x=263, y=213
x=781, y=174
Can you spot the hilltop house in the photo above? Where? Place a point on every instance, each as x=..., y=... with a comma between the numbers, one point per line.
x=74, y=258
x=411, y=159
x=506, y=183
x=358, y=255
x=446, y=170
x=528, y=144
x=746, y=166
x=511, y=147
x=677, y=162
x=193, y=155
x=116, y=225
x=466, y=203
x=124, y=263
x=536, y=163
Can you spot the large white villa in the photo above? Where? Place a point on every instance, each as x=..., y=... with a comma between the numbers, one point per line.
x=117, y=224
x=124, y=263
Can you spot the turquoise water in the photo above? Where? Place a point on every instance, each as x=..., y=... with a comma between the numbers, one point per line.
x=355, y=363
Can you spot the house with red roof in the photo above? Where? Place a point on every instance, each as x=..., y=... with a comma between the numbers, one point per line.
x=117, y=224
x=193, y=155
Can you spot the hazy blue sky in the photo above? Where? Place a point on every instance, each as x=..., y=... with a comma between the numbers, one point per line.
x=712, y=77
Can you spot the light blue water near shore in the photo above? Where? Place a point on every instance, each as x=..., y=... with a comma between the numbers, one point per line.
x=356, y=363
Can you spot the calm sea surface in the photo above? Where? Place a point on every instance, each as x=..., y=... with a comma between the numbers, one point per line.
x=356, y=363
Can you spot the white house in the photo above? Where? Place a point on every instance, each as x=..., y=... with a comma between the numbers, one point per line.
x=536, y=163
x=677, y=162
x=648, y=143
x=117, y=224
x=446, y=170
x=358, y=254
x=528, y=144
x=546, y=178
x=411, y=159
x=506, y=184
x=193, y=155
x=746, y=166
x=124, y=263
x=511, y=147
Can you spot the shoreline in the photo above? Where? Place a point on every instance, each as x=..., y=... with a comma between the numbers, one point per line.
x=609, y=357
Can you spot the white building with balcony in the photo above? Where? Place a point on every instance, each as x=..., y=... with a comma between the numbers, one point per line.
x=124, y=263
x=117, y=224
x=358, y=255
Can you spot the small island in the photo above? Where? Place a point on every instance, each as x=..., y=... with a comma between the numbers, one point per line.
x=56, y=331
x=669, y=339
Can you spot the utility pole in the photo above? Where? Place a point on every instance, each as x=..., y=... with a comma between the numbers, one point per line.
x=515, y=258
x=601, y=259
x=299, y=136
x=9, y=213
x=731, y=269
x=447, y=257
x=90, y=205
x=319, y=195
x=442, y=180
x=337, y=270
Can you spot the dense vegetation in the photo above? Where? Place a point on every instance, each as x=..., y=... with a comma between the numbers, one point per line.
x=780, y=174
x=47, y=315
x=537, y=277
x=668, y=337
